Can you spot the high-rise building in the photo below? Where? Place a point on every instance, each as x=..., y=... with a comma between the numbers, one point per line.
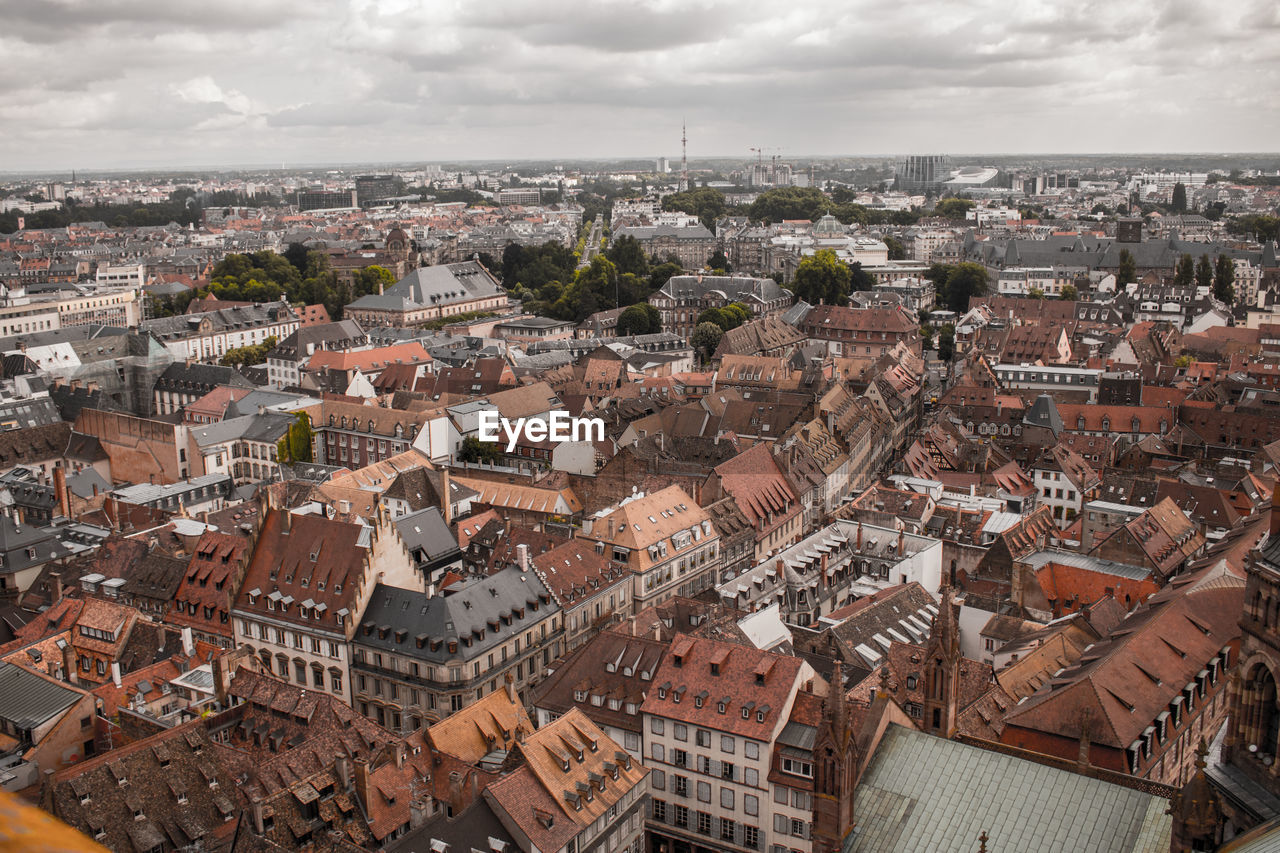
x=371, y=188
x=922, y=172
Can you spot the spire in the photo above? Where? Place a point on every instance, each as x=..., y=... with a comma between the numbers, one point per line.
x=684, y=157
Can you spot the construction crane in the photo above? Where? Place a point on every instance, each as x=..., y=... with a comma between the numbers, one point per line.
x=759, y=155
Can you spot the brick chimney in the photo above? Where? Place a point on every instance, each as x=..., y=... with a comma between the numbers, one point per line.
x=68, y=662
x=64, y=496
x=361, y=766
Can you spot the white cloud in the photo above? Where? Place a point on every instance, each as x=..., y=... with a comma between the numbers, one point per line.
x=110, y=82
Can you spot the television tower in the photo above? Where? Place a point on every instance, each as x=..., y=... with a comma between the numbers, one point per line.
x=684, y=157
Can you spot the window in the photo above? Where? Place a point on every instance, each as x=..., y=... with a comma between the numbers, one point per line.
x=656, y=725
x=681, y=814
x=679, y=758
x=659, y=780
x=726, y=798
x=704, y=792
x=660, y=810
x=750, y=836
x=681, y=731
x=797, y=827
x=752, y=749
x=704, y=823
x=656, y=752
x=680, y=786
x=727, y=744
x=750, y=776
x=751, y=804
x=704, y=738
x=799, y=768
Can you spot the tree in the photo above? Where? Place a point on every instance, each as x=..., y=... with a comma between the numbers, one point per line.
x=705, y=338
x=718, y=261
x=704, y=202
x=639, y=319
x=1183, y=361
x=1069, y=293
x=737, y=314
x=474, y=450
x=1036, y=293
x=1128, y=269
x=295, y=444
x=956, y=284
x=1184, y=274
x=1179, y=202
x=953, y=208
x=628, y=255
x=822, y=278
x=714, y=315
x=947, y=342
x=1204, y=272
x=1224, y=277
x=897, y=252
x=659, y=275
x=248, y=356
x=372, y=279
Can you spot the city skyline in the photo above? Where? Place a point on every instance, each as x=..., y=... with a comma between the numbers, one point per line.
x=136, y=85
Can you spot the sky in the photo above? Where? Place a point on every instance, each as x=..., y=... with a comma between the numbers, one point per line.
x=178, y=83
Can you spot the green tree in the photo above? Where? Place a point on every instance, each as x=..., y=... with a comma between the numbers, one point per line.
x=1179, y=202
x=639, y=319
x=822, y=278
x=716, y=316
x=1184, y=274
x=953, y=208
x=1069, y=293
x=247, y=356
x=1183, y=361
x=718, y=261
x=473, y=450
x=947, y=342
x=737, y=314
x=705, y=338
x=956, y=284
x=706, y=203
x=372, y=279
x=781, y=203
x=628, y=255
x=1036, y=293
x=1204, y=272
x=897, y=252
x=1128, y=270
x=1224, y=278
x=295, y=445
x=659, y=275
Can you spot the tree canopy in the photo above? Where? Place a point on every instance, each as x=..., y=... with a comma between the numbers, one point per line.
x=1224, y=277
x=1184, y=274
x=957, y=283
x=953, y=208
x=822, y=279
x=706, y=203
x=248, y=356
x=639, y=319
x=705, y=338
x=1127, y=271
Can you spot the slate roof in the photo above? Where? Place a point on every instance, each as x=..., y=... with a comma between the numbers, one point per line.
x=926, y=793
x=442, y=284
x=27, y=699
x=484, y=612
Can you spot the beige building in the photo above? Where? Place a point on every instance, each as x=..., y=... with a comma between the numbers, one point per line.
x=665, y=539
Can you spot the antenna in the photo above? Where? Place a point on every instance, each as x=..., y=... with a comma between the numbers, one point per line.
x=684, y=157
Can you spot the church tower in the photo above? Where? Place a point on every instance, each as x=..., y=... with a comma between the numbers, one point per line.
x=942, y=668
x=835, y=762
x=1196, y=811
x=1252, y=742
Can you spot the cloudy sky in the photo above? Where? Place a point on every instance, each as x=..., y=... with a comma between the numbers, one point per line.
x=160, y=83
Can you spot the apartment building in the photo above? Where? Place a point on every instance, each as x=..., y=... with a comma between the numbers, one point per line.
x=713, y=720
x=418, y=657
x=664, y=538
x=309, y=581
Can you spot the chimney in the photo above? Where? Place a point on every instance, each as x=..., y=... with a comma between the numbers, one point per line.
x=58, y=590
x=256, y=809
x=511, y=688
x=362, y=780
x=399, y=753
x=188, y=642
x=68, y=662
x=522, y=557
x=445, y=503
x=902, y=539
x=60, y=487
x=342, y=769
x=115, y=674
x=417, y=812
